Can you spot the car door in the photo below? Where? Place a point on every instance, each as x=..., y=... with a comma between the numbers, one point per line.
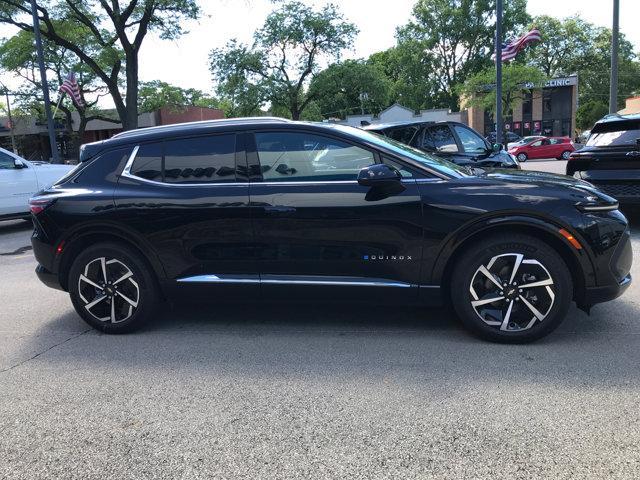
x=318, y=233
x=189, y=199
x=17, y=185
x=539, y=149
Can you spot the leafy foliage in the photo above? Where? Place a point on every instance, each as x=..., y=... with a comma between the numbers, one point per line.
x=157, y=94
x=286, y=52
x=347, y=87
x=457, y=38
x=116, y=28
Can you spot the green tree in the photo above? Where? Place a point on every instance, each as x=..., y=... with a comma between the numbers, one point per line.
x=589, y=113
x=410, y=74
x=480, y=89
x=118, y=27
x=457, y=39
x=18, y=56
x=350, y=87
x=563, y=43
x=285, y=54
x=157, y=94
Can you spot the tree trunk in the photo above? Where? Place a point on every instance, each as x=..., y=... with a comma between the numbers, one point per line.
x=131, y=117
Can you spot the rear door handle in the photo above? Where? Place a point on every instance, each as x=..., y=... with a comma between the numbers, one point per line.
x=279, y=211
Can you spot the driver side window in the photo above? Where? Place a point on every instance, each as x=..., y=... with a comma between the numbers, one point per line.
x=298, y=156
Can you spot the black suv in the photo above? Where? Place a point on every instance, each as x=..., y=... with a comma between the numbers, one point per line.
x=611, y=158
x=453, y=141
x=252, y=209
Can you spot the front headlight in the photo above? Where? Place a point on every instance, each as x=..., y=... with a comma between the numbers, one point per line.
x=597, y=202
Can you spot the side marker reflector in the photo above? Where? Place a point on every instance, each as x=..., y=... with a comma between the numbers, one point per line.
x=571, y=239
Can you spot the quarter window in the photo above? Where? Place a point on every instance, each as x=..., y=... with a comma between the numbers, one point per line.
x=286, y=156
x=200, y=159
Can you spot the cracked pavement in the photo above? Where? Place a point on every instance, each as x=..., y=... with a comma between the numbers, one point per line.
x=278, y=391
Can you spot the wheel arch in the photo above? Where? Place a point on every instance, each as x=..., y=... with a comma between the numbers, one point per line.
x=78, y=241
x=578, y=262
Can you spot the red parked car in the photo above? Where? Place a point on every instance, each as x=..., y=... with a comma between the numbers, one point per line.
x=548, y=147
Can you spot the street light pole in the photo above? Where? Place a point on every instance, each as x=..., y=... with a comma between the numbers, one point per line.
x=499, y=125
x=45, y=86
x=613, y=86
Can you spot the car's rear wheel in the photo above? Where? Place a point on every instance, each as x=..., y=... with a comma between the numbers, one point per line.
x=511, y=291
x=112, y=288
x=522, y=157
x=565, y=155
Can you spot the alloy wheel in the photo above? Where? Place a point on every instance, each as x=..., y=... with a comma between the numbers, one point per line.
x=566, y=155
x=512, y=293
x=109, y=290
x=522, y=157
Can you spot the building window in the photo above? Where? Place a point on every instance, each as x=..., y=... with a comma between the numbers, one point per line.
x=527, y=105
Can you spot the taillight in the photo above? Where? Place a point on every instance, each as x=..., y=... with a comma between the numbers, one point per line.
x=37, y=205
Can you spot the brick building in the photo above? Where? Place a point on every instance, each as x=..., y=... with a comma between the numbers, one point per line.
x=548, y=109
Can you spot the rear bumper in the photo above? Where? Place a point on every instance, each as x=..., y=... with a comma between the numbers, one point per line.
x=50, y=279
x=623, y=184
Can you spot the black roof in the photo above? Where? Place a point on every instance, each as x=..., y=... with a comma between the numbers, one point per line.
x=89, y=150
x=616, y=117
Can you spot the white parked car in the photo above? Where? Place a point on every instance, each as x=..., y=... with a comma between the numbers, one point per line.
x=21, y=179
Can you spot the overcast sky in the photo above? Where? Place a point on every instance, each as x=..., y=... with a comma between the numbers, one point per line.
x=184, y=61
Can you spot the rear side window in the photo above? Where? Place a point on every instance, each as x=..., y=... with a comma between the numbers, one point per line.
x=188, y=160
x=288, y=156
x=200, y=160
x=471, y=141
x=404, y=135
x=148, y=162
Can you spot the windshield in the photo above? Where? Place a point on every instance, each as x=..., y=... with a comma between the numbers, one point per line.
x=428, y=160
x=614, y=134
x=527, y=140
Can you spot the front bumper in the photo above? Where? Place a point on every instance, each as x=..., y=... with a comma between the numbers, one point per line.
x=50, y=279
x=594, y=295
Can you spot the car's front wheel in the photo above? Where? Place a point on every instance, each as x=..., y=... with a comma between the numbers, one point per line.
x=512, y=290
x=522, y=157
x=112, y=288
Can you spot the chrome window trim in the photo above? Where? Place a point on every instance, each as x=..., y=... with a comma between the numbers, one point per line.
x=126, y=172
x=309, y=182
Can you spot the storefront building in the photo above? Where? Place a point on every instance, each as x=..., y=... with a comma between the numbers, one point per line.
x=548, y=109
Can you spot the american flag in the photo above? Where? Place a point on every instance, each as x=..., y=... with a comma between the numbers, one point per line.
x=511, y=49
x=70, y=86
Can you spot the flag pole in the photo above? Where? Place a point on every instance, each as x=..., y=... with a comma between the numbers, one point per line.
x=499, y=124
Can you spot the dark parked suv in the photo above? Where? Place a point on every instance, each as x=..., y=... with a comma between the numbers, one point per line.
x=252, y=209
x=453, y=141
x=611, y=158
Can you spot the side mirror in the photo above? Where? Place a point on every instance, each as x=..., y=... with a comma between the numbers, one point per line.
x=378, y=175
x=496, y=147
x=18, y=163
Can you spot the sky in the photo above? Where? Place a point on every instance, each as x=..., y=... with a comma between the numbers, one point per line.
x=184, y=62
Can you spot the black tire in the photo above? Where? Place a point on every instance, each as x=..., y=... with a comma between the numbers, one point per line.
x=522, y=157
x=527, y=325
x=140, y=288
x=565, y=155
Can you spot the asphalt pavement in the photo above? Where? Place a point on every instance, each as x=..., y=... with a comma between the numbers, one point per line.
x=281, y=391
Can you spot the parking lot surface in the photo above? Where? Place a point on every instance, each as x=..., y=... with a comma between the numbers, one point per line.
x=281, y=391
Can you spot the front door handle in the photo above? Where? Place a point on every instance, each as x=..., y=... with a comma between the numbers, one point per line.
x=279, y=211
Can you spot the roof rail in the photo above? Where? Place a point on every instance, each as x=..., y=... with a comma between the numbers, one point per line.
x=184, y=126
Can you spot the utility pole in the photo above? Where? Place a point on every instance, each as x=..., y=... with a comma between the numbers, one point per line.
x=45, y=86
x=613, y=85
x=11, y=126
x=499, y=124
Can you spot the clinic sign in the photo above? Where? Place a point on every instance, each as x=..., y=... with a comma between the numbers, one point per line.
x=554, y=82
